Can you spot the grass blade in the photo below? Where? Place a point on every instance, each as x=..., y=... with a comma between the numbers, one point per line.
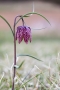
x=29, y=80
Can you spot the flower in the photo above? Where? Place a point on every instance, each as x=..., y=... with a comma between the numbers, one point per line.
x=23, y=32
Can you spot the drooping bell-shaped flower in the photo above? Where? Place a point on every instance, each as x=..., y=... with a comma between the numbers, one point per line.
x=23, y=32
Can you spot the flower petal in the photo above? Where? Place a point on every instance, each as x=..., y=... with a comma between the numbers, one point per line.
x=23, y=32
x=27, y=34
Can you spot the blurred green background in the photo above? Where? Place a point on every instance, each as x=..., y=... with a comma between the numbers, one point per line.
x=48, y=36
x=45, y=45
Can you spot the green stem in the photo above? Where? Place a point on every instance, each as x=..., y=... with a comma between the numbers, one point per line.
x=14, y=69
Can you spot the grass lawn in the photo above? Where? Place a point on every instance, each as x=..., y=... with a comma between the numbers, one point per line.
x=32, y=74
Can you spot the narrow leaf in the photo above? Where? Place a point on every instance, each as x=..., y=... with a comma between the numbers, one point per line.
x=36, y=14
x=21, y=64
x=8, y=24
x=29, y=56
x=26, y=16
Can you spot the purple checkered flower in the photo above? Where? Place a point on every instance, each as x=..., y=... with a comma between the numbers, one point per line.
x=23, y=32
